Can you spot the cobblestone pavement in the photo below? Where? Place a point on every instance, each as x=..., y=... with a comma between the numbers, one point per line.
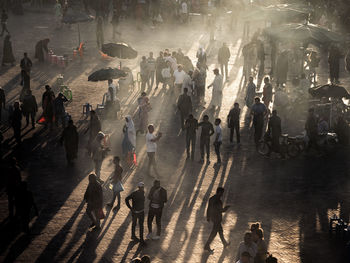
x=292, y=199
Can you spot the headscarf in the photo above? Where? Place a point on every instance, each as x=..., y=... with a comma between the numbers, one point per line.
x=131, y=130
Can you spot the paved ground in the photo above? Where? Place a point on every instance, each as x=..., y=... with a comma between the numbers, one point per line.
x=292, y=199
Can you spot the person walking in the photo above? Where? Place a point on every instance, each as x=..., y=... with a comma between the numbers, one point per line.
x=199, y=79
x=217, y=85
x=191, y=126
x=26, y=66
x=223, y=58
x=116, y=181
x=151, y=63
x=202, y=57
x=8, y=57
x=99, y=32
x=184, y=104
x=70, y=138
x=258, y=111
x=267, y=92
x=137, y=211
x=4, y=18
x=214, y=215
x=94, y=199
x=206, y=132
x=94, y=128
x=129, y=140
x=16, y=122
x=143, y=108
x=158, y=197
x=98, y=154
x=233, y=123
x=274, y=129
x=151, y=147
x=47, y=103
x=167, y=76
x=60, y=112
x=160, y=65
x=144, y=73
x=2, y=101
x=29, y=107
x=218, y=140
x=179, y=77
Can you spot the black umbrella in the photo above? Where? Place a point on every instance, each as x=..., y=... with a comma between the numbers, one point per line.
x=329, y=91
x=119, y=50
x=106, y=74
x=76, y=17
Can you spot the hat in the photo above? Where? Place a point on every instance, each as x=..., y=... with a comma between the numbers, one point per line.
x=140, y=184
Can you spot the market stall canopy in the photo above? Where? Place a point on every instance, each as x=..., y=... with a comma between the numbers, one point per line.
x=119, y=50
x=329, y=91
x=106, y=74
x=304, y=32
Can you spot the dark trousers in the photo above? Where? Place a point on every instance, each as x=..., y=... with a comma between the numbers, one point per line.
x=4, y=28
x=115, y=195
x=217, y=228
x=32, y=117
x=183, y=117
x=235, y=127
x=190, y=143
x=137, y=217
x=144, y=81
x=222, y=66
x=92, y=214
x=217, y=150
x=155, y=212
x=204, y=143
x=258, y=128
x=152, y=162
x=334, y=72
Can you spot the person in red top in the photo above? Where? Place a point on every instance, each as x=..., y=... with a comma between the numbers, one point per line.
x=116, y=181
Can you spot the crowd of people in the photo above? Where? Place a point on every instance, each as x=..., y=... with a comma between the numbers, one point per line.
x=174, y=72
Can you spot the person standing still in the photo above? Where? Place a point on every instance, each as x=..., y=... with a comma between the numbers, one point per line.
x=137, y=211
x=116, y=181
x=218, y=140
x=206, y=132
x=4, y=18
x=258, y=111
x=267, y=92
x=151, y=63
x=29, y=107
x=144, y=73
x=2, y=101
x=184, y=104
x=158, y=197
x=214, y=215
x=179, y=76
x=94, y=199
x=233, y=123
x=26, y=66
x=70, y=138
x=223, y=58
x=151, y=147
x=191, y=126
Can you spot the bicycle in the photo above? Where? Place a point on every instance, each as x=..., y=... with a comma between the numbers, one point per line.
x=288, y=146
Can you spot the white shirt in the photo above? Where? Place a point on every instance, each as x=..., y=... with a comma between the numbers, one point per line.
x=218, y=131
x=179, y=76
x=166, y=73
x=151, y=146
x=172, y=62
x=252, y=250
x=184, y=7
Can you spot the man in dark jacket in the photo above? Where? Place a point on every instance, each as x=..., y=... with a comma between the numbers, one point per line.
x=29, y=107
x=137, y=211
x=70, y=137
x=16, y=122
x=94, y=199
x=184, y=104
x=233, y=122
x=206, y=132
x=60, y=110
x=214, y=214
x=2, y=100
x=157, y=197
x=275, y=131
x=191, y=126
x=223, y=58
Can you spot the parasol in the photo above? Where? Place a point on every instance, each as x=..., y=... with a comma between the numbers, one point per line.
x=106, y=74
x=329, y=91
x=304, y=32
x=119, y=50
x=76, y=17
